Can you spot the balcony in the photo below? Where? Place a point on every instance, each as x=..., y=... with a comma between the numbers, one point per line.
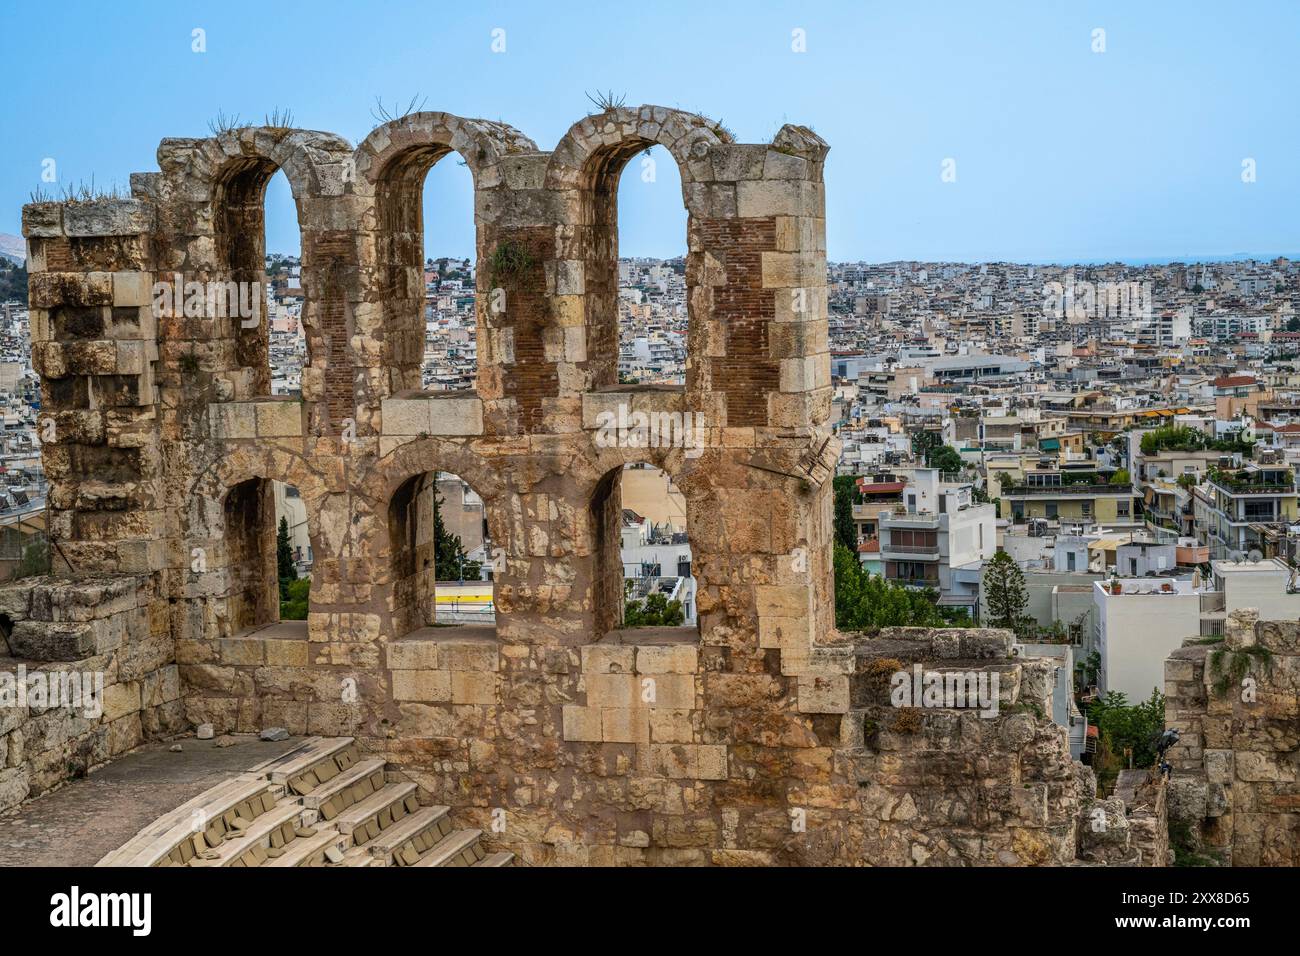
x=1234, y=486
x=1057, y=491
x=912, y=548
x=932, y=583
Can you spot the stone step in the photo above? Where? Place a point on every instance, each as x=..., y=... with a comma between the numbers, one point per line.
x=173, y=836
x=310, y=851
x=404, y=843
x=300, y=769
x=261, y=814
x=359, y=771
x=272, y=829
x=460, y=848
x=500, y=858
x=375, y=813
x=409, y=827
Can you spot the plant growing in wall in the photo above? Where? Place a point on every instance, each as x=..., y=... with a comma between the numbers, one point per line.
x=510, y=260
x=1230, y=666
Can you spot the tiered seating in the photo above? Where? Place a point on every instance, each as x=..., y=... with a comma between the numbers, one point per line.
x=320, y=804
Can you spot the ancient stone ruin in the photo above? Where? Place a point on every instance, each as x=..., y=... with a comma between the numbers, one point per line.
x=1235, y=791
x=763, y=736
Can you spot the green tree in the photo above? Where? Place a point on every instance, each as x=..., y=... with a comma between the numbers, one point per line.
x=946, y=459
x=294, y=600
x=923, y=442
x=846, y=494
x=1004, y=591
x=865, y=601
x=285, y=570
x=655, y=610
x=1121, y=477
x=449, y=560
x=1123, y=727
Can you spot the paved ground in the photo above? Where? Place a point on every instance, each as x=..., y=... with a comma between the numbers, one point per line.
x=78, y=824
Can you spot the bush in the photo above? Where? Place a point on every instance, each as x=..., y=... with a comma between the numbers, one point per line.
x=654, y=611
x=296, y=594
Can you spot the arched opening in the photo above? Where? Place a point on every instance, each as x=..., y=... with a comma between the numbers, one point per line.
x=443, y=555
x=644, y=296
x=286, y=338
x=268, y=556
x=240, y=300
x=644, y=565
x=651, y=248
x=450, y=358
x=429, y=319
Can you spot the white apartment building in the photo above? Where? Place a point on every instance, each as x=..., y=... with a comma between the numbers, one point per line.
x=1138, y=627
x=658, y=563
x=1151, y=616
x=938, y=537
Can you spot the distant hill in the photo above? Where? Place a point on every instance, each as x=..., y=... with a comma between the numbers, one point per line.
x=13, y=281
x=13, y=248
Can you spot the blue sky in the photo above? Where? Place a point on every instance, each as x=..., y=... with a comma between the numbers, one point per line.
x=1061, y=153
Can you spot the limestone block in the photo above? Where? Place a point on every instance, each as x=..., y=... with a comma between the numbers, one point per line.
x=407, y=416
x=674, y=691
x=413, y=655
x=133, y=289
x=286, y=653
x=613, y=690
x=824, y=694
x=670, y=726
x=281, y=419
x=121, y=700
x=107, y=217
x=760, y=198
x=456, y=416
x=424, y=685
x=608, y=658
x=469, y=656
x=620, y=725
x=473, y=687
x=43, y=220
x=666, y=659
x=581, y=724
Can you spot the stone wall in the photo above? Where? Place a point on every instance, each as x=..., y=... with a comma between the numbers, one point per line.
x=111, y=630
x=941, y=786
x=1236, y=781
x=566, y=738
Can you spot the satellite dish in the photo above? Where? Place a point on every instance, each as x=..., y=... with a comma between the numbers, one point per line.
x=1235, y=556
x=1255, y=556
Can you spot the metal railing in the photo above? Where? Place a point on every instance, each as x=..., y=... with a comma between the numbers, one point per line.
x=911, y=548
x=1252, y=487
x=1078, y=488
